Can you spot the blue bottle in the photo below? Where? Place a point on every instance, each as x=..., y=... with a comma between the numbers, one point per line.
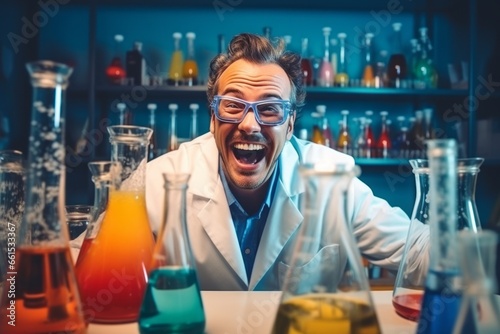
x=172, y=302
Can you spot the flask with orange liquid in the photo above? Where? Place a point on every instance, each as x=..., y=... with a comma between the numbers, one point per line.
x=190, y=67
x=112, y=273
x=40, y=293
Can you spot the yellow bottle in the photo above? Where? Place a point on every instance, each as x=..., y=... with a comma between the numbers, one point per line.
x=176, y=63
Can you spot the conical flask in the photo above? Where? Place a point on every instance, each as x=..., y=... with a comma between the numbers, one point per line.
x=112, y=274
x=409, y=283
x=332, y=295
x=172, y=302
x=101, y=177
x=479, y=311
x=443, y=282
x=41, y=294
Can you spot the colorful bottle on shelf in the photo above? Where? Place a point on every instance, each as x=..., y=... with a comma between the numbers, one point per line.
x=190, y=67
x=153, y=146
x=323, y=133
x=326, y=74
x=136, y=65
x=341, y=75
x=424, y=72
x=368, y=79
x=384, y=142
x=369, y=137
x=305, y=63
x=397, y=65
x=116, y=71
x=173, y=143
x=344, y=141
x=194, y=120
x=176, y=62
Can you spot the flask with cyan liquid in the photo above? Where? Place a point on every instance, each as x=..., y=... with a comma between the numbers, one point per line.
x=172, y=302
x=326, y=289
x=41, y=290
x=118, y=259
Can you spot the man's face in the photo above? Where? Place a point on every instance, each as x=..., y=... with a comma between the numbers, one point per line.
x=249, y=151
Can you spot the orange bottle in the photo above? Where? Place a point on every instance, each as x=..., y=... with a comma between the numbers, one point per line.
x=190, y=68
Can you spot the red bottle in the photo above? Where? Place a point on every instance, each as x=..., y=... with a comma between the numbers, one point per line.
x=384, y=143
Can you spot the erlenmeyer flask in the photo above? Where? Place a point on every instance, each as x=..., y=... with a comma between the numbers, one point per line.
x=479, y=310
x=112, y=275
x=172, y=302
x=332, y=295
x=45, y=298
x=409, y=283
x=101, y=176
x=11, y=205
x=442, y=294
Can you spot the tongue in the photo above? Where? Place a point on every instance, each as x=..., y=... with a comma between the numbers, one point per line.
x=247, y=157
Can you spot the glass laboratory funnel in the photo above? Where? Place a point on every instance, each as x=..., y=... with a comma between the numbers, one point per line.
x=409, y=283
x=101, y=177
x=112, y=274
x=45, y=298
x=442, y=294
x=172, y=302
x=326, y=288
x=479, y=311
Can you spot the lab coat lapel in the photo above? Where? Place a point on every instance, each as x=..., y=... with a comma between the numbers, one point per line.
x=214, y=213
x=284, y=216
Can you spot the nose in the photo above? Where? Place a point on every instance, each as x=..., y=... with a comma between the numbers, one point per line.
x=249, y=123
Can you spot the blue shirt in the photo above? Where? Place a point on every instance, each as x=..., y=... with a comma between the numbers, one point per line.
x=249, y=228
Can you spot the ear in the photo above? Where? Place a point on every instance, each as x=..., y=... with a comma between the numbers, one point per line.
x=291, y=127
x=212, y=123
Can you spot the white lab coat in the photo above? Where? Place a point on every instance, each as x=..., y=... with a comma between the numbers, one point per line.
x=379, y=229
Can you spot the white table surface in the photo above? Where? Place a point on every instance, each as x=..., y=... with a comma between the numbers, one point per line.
x=232, y=312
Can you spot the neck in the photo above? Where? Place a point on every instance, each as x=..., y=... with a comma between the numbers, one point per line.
x=251, y=199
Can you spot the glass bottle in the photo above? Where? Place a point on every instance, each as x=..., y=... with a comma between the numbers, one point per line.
x=326, y=74
x=46, y=294
x=172, y=302
x=428, y=128
x=136, y=65
x=194, y=120
x=344, y=141
x=324, y=127
x=479, y=310
x=176, y=62
x=384, y=143
x=341, y=76
x=119, y=256
x=153, y=146
x=172, y=133
x=417, y=134
x=443, y=279
x=397, y=66
x=116, y=71
x=125, y=115
x=369, y=137
x=368, y=72
x=101, y=172
x=190, y=67
x=425, y=73
x=325, y=298
x=359, y=149
x=305, y=63
x=12, y=178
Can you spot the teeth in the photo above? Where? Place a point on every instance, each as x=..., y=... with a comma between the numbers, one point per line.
x=249, y=147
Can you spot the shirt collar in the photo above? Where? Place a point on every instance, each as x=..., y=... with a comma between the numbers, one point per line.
x=231, y=200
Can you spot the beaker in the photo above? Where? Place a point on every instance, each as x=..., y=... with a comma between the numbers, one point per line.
x=77, y=219
x=326, y=288
x=442, y=294
x=479, y=310
x=172, y=302
x=409, y=283
x=41, y=294
x=11, y=205
x=112, y=274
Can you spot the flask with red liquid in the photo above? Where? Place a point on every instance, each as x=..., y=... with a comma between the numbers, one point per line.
x=326, y=74
x=384, y=142
x=305, y=63
x=41, y=286
x=116, y=71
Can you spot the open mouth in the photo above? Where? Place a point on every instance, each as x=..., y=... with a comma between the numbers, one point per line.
x=249, y=153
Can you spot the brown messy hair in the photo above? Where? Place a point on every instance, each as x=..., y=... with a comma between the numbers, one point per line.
x=259, y=50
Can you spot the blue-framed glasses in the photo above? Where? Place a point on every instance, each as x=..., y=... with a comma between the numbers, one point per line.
x=267, y=112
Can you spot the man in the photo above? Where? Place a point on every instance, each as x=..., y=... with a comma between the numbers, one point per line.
x=242, y=201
